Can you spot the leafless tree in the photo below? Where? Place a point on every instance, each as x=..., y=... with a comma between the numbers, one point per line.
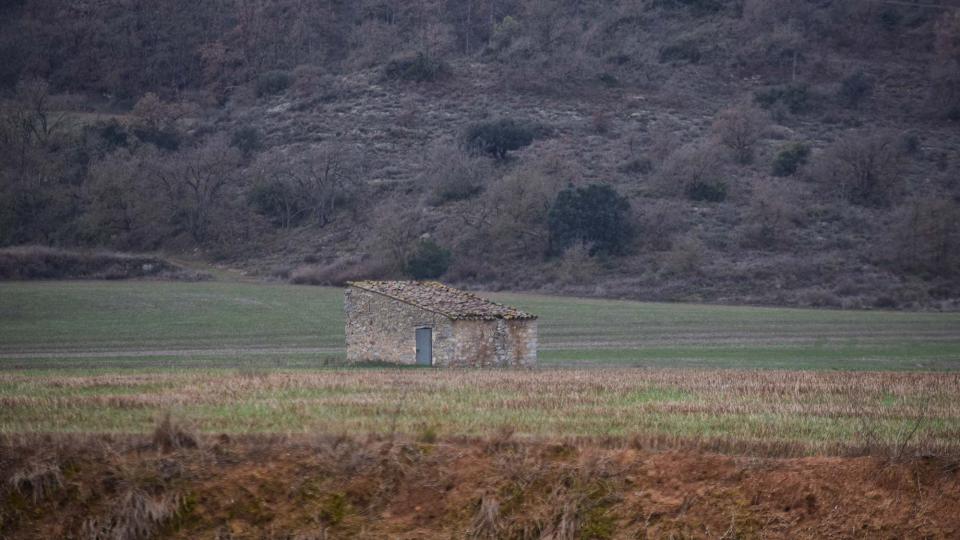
x=927, y=235
x=195, y=181
x=318, y=179
x=739, y=128
x=690, y=164
x=863, y=167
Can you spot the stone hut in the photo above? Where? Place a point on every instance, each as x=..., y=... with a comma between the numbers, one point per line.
x=428, y=323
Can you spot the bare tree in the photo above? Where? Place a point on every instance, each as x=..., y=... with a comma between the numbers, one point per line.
x=312, y=182
x=927, y=235
x=863, y=167
x=692, y=163
x=195, y=181
x=513, y=211
x=29, y=120
x=739, y=128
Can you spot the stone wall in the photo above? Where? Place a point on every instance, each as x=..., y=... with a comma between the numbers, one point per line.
x=380, y=328
x=501, y=343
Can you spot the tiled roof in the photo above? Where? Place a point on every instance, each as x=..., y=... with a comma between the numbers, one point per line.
x=439, y=298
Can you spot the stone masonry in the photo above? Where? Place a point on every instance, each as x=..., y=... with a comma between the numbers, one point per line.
x=382, y=318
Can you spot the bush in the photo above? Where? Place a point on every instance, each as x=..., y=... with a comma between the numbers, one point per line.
x=795, y=97
x=428, y=260
x=608, y=80
x=854, y=89
x=273, y=82
x=637, y=166
x=715, y=191
x=694, y=163
x=453, y=175
x=113, y=134
x=595, y=215
x=790, y=158
x=38, y=262
x=163, y=138
x=864, y=167
x=247, y=140
x=497, y=137
x=421, y=68
x=684, y=51
x=685, y=256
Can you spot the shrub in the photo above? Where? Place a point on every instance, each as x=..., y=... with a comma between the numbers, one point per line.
x=694, y=163
x=854, y=89
x=37, y=262
x=421, y=68
x=608, y=80
x=596, y=215
x=247, y=140
x=163, y=138
x=272, y=82
x=113, y=134
x=912, y=144
x=795, y=97
x=864, y=167
x=497, y=137
x=454, y=175
x=772, y=214
x=637, y=166
x=708, y=191
x=686, y=256
x=683, y=51
x=790, y=158
x=429, y=260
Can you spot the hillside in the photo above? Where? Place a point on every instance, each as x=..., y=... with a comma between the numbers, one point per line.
x=754, y=151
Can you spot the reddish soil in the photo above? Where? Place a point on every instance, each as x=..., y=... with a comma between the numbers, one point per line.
x=344, y=488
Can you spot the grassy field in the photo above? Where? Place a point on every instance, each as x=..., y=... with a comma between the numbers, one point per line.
x=150, y=324
x=109, y=357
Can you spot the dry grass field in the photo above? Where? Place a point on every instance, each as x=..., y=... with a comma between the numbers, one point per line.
x=769, y=412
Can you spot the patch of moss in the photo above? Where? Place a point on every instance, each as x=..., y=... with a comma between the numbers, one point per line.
x=597, y=523
x=335, y=508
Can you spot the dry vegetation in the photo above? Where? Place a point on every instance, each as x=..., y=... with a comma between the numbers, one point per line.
x=495, y=487
x=770, y=413
x=38, y=262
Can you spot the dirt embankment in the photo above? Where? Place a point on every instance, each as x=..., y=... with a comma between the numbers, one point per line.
x=175, y=487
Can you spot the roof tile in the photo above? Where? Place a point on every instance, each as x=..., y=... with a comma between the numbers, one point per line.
x=439, y=298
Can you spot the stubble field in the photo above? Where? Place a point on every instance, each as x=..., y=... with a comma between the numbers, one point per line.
x=98, y=357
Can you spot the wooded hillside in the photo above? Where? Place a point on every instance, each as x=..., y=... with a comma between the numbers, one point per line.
x=746, y=151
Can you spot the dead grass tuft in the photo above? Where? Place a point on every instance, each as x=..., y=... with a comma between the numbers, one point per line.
x=168, y=437
x=136, y=516
x=38, y=479
x=486, y=522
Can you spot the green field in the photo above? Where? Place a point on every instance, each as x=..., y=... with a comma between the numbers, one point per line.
x=149, y=324
x=247, y=358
